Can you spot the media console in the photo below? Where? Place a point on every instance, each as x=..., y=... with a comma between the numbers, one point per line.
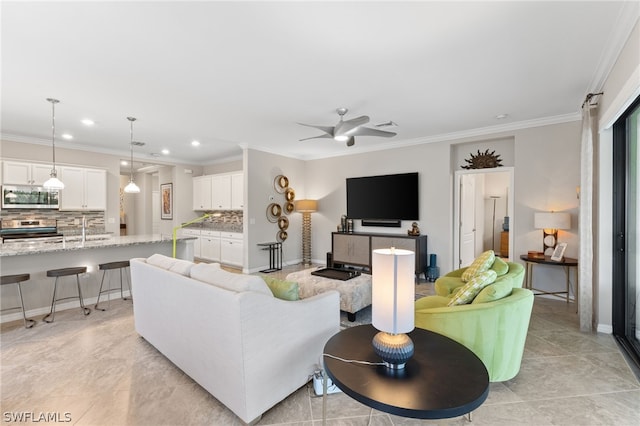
x=354, y=248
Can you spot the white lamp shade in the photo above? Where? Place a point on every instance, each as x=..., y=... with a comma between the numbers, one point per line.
x=131, y=188
x=552, y=220
x=306, y=206
x=393, y=290
x=53, y=183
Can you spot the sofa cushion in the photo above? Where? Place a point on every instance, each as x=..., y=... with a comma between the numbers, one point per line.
x=500, y=266
x=282, y=289
x=161, y=261
x=467, y=293
x=480, y=264
x=213, y=274
x=495, y=291
x=182, y=267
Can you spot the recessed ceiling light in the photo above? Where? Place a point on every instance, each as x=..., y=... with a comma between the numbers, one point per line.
x=67, y=136
x=124, y=163
x=165, y=151
x=87, y=122
x=501, y=116
x=195, y=143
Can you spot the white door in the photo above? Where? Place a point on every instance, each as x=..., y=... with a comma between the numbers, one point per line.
x=155, y=212
x=467, y=220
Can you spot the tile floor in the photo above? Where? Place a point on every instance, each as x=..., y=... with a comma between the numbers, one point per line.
x=96, y=370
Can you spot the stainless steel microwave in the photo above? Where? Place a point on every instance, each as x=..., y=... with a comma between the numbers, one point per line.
x=29, y=197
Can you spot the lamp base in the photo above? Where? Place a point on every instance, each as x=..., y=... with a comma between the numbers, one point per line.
x=394, y=349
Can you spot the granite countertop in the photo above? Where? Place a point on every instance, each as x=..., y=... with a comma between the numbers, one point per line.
x=223, y=227
x=92, y=242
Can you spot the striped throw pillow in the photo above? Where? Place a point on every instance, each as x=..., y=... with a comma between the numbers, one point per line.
x=467, y=293
x=480, y=264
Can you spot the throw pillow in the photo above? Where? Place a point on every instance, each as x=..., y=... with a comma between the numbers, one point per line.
x=285, y=290
x=495, y=291
x=480, y=264
x=500, y=266
x=467, y=293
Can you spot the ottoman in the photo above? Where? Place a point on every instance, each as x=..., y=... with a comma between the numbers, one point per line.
x=355, y=293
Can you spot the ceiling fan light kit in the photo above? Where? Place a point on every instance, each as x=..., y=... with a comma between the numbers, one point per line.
x=347, y=130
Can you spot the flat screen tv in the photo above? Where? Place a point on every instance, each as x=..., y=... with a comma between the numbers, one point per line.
x=387, y=197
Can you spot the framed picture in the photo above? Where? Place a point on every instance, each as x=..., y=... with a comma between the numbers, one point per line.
x=558, y=253
x=166, y=198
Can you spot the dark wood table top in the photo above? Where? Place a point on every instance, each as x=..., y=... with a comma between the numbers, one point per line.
x=566, y=261
x=443, y=378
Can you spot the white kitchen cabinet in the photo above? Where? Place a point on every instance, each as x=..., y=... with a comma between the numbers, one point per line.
x=210, y=245
x=231, y=248
x=218, y=192
x=221, y=192
x=237, y=191
x=202, y=193
x=84, y=189
x=22, y=173
x=196, y=243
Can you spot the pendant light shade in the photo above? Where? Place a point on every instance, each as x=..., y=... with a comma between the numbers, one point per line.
x=131, y=187
x=53, y=182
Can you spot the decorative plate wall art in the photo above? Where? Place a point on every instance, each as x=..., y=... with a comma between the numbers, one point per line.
x=281, y=183
x=273, y=212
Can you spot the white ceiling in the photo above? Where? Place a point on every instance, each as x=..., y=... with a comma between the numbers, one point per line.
x=242, y=74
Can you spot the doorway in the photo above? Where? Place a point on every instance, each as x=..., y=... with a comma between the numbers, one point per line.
x=483, y=214
x=626, y=231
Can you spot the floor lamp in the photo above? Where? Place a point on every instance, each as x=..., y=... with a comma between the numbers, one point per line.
x=306, y=207
x=493, y=222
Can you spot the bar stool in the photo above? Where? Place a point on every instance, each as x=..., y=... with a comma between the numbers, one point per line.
x=18, y=279
x=105, y=267
x=65, y=272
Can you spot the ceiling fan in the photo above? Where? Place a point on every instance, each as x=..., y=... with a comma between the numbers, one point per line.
x=346, y=130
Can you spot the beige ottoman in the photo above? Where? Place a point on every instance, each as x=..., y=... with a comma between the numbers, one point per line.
x=355, y=293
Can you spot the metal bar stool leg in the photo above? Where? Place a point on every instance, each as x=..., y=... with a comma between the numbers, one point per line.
x=52, y=312
x=100, y=292
x=85, y=310
x=30, y=322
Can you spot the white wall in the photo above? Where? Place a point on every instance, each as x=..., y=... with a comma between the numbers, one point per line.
x=260, y=170
x=547, y=173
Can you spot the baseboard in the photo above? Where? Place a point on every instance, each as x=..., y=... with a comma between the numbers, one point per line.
x=74, y=304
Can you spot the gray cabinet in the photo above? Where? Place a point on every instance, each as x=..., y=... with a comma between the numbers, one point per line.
x=355, y=248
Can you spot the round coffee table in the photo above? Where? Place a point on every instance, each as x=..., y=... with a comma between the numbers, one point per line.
x=443, y=378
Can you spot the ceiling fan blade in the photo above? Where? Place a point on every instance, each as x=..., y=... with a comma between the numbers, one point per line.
x=317, y=137
x=346, y=128
x=327, y=129
x=351, y=141
x=365, y=131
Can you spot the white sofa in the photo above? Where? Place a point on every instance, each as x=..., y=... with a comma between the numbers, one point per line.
x=247, y=348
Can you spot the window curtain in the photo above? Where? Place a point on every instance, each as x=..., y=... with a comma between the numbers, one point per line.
x=588, y=176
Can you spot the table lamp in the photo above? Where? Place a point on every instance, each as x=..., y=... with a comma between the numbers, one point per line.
x=393, y=296
x=306, y=207
x=550, y=222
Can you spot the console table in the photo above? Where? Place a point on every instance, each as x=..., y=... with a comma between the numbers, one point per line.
x=354, y=248
x=443, y=379
x=567, y=264
x=275, y=255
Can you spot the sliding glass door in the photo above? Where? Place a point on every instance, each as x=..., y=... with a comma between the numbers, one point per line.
x=626, y=226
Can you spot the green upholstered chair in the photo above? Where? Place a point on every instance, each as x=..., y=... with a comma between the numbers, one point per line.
x=495, y=330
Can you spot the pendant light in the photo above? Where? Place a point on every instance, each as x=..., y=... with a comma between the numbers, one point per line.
x=131, y=188
x=53, y=182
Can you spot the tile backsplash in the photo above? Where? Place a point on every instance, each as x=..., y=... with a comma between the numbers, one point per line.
x=69, y=222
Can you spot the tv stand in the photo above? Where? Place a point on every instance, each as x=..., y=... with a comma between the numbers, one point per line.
x=354, y=248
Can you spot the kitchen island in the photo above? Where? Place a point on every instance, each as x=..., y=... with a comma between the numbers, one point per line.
x=37, y=258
